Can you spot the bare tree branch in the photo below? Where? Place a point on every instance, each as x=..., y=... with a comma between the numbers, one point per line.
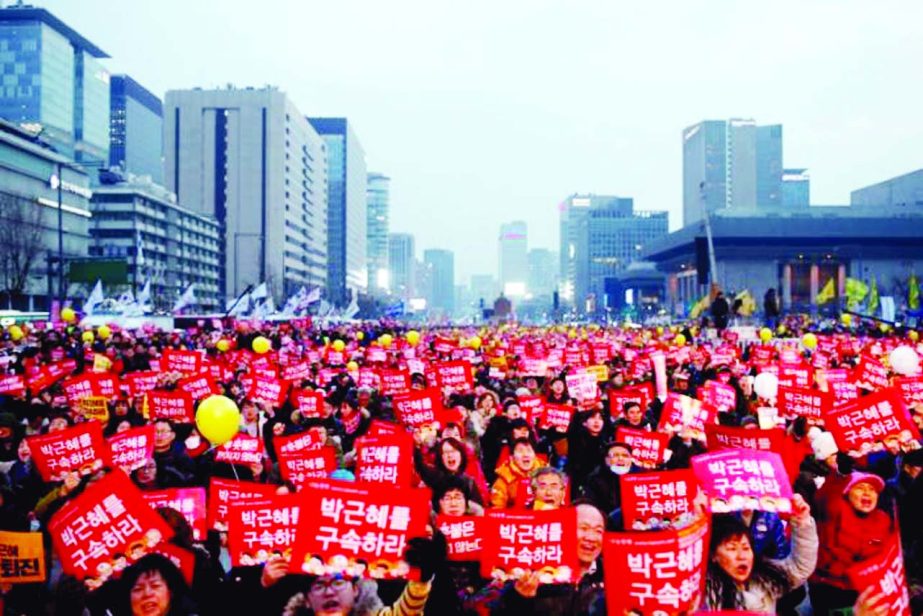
x=20, y=241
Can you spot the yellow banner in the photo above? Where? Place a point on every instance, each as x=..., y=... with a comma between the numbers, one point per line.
x=101, y=363
x=94, y=407
x=601, y=372
x=22, y=558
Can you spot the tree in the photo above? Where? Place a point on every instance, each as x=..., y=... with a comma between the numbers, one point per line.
x=20, y=242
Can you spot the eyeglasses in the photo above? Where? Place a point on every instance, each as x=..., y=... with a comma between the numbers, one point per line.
x=336, y=583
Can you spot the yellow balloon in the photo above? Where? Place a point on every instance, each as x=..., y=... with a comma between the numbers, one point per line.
x=223, y=345
x=914, y=335
x=218, y=419
x=360, y=335
x=846, y=318
x=885, y=328
x=680, y=340
x=765, y=334
x=475, y=342
x=103, y=331
x=385, y=340
x=338, y=345
x=809, y=341
x=660, y=330
x=413, y=337
x=781, y=330
x=68, y=315
x=87, y=337
x=261, y=344
x=16, y=333
x=352, y=366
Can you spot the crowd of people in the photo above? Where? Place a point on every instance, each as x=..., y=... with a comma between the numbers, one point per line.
x=514, y=431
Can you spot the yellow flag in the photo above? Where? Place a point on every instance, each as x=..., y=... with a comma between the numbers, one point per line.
x=827, y=293
x=747, y=303
x=700, y=307
x=873, y=297
x=856, y=290
x=913, y=293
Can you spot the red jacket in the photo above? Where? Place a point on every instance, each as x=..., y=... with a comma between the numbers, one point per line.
x=847, y=538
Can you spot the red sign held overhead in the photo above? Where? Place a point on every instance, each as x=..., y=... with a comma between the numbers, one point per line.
x=647, y=448
x=651, y=501
x=304, y=466
x=687, y=415
x=242, y=449
x=873, y=423
x=261, y=529
x=418, y=408
x=802, y=402
x=173, y=405
x=80, y=448
x=308, y=402
x=387, y=458
x=222, y=492
x=464, y=536
x=188, y=501
x=738, y=479
x=131, y=449
x=186, y=362
x=539, y=541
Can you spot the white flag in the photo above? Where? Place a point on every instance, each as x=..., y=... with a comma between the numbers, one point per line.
x=139, y=251
x=242, y=307
x=351, y=310
x=260, y=292
x=313, y=296
x=144, y=297
x=186, y=299
x=94, y=299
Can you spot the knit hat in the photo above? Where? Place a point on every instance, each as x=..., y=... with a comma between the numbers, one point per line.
x=822, y=443
x=856, y=478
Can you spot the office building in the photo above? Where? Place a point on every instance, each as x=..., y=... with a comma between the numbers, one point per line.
x=248, y=158
x=53, y=80
x=600, y=236
x=137, y=220
x=401, y=257
x=347, y=269
x=731, y=164
x=543, y=272
x=795, y=252
x=32, y=179
x=378, y=198
x=903, y=191
x=796, y=188
x=441, y=267
x=484, y=287
x=513, y=258
x=135, y=129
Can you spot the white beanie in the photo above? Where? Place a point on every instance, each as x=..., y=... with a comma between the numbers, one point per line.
x=823, y=445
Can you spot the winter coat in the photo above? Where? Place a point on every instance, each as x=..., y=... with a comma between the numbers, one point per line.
x=847, y=538
x=505, y=489
x=602, y=489
x=768, y=534
x=410, y=603
x=760, y=593
x=587, y=597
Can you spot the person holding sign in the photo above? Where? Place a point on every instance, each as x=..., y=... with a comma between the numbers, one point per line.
x=737, y=579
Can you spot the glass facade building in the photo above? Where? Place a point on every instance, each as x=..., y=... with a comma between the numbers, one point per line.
x=796, y=188
x=440, y=265
x=53, y=78
x=401, y=254
x=514, y=263
x=347, y=267
x=378, y=198
x=135, y=129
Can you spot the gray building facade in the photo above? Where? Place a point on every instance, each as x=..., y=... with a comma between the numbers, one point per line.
x=903, y=191
x=249, y=158
x=401, y=265
x=378, y=196
x=440, y=264
x=135, y=129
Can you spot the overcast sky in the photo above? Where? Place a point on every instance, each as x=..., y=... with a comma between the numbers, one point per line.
x=486, y=111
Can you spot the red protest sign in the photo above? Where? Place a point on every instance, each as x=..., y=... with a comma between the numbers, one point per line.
x=297, y=372
x=199, y=386
x=870, y=374
x=303, y=441
x=387, y=458
x=463, y=534
x=222, y=492
x=582, y=387
x=188, y=501
x=131, y=449
x=308, y=402
x=659, y=572
x=50, y=374
x=911, y=388
x=359, y=529
x=141, y=382
x=647, y=448
x=454, y=375
x=872, y=423
x=533, y=407
x=418, y=408
x=687, y=415
x=270, y=391
x=540, y=541
x=173, y=405
x=557, y=417
x=260, y=529
x=651, y=501
x=394, y=382
x=303, y=466
x=801, y=402
x=186, y=362
x=729, y=437
x=12, y=385
x=885, y=573
x=90, y=384
x=107, y=521
x=796, y=375
x=843, y=392
x=77, y=449
x=618, y=398
x=738, y=479
x=719, y=395
x=242, y=449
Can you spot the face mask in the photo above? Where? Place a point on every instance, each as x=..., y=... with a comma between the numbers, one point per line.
x=193, y=442
x=619, y=470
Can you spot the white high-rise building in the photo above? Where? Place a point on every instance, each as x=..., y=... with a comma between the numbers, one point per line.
x=514, y=261
x=249, y=158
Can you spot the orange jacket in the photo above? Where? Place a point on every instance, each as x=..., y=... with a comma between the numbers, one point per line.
x=505, y=489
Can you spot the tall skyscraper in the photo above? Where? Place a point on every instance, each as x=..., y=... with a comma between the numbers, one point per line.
x=53, y=79
x=401, y=264
x=249, y=158
x=543, y=272
x=441, y=266
x=600, y=236
x=135, y=129
x=378, y=197
x=730, y=164
x=347, y=269
x=796, y=188
x=514, y=263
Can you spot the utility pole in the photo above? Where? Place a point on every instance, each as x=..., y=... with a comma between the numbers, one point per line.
x=713, y=276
